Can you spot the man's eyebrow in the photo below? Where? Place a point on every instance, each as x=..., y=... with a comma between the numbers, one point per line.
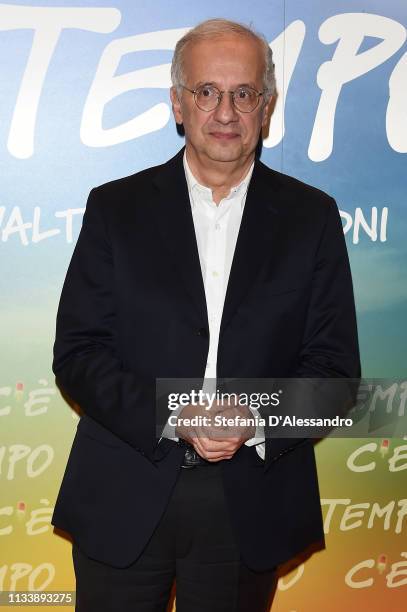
x=252, y=85
x=200, y=83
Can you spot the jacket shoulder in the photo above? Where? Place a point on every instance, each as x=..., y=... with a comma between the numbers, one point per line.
x=297, y=194
x=127, y=184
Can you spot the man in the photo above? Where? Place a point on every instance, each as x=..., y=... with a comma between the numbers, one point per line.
x=210, y=265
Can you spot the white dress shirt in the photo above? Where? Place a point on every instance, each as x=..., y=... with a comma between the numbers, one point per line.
x=216, y=229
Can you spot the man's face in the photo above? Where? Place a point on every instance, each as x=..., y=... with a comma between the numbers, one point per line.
x=223, y=134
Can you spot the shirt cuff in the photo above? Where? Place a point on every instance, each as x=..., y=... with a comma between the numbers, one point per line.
x=259, y=436
x=169, y=430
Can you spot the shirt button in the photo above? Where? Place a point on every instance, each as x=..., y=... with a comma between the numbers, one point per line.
x=217, y=226
x=215, y=274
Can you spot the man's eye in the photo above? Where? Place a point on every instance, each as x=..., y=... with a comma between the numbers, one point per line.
x=243, y=94
x=206, y=92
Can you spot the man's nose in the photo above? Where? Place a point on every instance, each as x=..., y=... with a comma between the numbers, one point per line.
x=226, y=112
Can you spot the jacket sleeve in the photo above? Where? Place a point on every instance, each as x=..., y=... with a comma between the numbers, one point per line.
x=86, y=362
x=330, y=344
x=330, y=347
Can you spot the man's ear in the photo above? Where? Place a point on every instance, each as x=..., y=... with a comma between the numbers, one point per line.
x=176, y=105
x=267, y=109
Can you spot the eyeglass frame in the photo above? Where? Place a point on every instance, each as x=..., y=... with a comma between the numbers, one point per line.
x=221, y=92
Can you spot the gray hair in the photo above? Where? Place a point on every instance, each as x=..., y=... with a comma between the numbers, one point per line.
x=213, y=28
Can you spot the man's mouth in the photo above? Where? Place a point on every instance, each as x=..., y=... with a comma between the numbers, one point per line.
x=224, y=135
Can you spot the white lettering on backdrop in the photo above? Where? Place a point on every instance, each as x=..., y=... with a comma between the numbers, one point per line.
x=349, y=30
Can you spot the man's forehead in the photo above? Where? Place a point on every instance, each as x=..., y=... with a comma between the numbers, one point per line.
x=228, y=39
x=236, y=46
x=205, y=65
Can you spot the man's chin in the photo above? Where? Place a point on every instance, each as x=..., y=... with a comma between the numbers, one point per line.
x=224, y=154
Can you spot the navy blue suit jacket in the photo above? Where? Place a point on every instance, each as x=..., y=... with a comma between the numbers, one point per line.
x=133, y=309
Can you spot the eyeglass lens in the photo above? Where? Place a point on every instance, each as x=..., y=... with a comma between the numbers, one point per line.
x=244, y=98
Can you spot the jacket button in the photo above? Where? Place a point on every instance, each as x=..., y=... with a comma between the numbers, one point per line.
x=203, y=332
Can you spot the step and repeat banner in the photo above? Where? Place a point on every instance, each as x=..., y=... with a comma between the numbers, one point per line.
x=84, y=98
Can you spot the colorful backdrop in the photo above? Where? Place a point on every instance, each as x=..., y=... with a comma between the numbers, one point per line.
x=84, y=98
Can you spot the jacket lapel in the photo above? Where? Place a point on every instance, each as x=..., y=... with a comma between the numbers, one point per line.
x=258, y=236
x=176, y=226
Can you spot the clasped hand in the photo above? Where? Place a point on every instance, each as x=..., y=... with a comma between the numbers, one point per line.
x=215, y=442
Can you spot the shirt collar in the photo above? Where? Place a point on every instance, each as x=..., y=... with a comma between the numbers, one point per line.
x=193, y=184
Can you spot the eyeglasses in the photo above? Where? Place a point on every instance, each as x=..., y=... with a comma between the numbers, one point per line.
x=208, y=97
